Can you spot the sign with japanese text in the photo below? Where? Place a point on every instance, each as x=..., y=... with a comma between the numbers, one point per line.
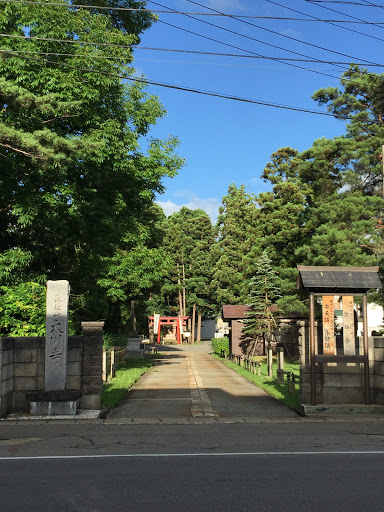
x=56, y=340
x=328, y=325
x=156, y=320
x=348, y=326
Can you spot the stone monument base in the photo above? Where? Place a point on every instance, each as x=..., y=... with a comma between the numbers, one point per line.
x=134, y=347
x=49, y=403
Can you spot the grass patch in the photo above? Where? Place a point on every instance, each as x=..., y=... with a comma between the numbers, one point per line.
x=129, y=372
x=271, y=386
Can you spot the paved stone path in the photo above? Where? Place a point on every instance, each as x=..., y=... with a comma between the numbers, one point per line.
x=189, y=383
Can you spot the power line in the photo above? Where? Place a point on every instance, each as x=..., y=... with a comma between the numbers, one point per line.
x=373, y=5
x=249, y=51
x=277, y=33
x=177, y=87
x=76, y=41
x=338, y=12
x=156, y=11
x=242, y=49
x=336, y=2
x=262, y=42
x=329, y=22
x=193, y=52
x=206, y=37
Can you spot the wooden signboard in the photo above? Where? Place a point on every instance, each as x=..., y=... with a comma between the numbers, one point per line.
x=328, y=325
x=348, y=326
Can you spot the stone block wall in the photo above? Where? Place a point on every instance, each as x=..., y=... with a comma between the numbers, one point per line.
x=22, y=364
x=378, y=369
x=92, y=365
x=6, y=375
x=341, y=382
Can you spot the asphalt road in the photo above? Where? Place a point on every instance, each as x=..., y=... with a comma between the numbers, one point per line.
x=223, y=482
x=283, y=465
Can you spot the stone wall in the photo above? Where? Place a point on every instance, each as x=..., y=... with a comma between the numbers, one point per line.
x=378, y=369
x=22, y=364
x=341, y=383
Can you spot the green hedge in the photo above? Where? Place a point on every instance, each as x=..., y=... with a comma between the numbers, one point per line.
x=115, y=339
x=219, y=344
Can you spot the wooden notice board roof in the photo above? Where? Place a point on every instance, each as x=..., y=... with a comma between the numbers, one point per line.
x=353, y=279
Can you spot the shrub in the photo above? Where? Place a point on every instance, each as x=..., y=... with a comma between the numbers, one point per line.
x=22, y=310
x=219, y=344
x=115, y=339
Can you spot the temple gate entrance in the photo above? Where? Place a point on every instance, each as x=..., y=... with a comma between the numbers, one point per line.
x=156, y=322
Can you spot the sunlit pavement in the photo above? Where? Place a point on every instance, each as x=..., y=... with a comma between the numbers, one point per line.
x=188, y=383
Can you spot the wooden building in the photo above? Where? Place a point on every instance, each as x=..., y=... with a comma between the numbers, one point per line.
x=241, y=343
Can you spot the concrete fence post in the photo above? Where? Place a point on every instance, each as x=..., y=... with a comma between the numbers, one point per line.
x=113, y=368
x=280, y=358
x=280, y=364
x=269, y=360
x=104, y=370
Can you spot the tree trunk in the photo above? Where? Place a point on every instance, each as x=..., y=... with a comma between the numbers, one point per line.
x=184, y=302
x=133, y=329
x=180, y=303
x=193, y=323
x=180, y=299
x=198, y=337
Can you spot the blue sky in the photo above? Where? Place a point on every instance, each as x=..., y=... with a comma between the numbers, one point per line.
x=227, y=141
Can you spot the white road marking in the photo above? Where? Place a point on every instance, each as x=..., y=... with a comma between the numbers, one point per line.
x=164, y=455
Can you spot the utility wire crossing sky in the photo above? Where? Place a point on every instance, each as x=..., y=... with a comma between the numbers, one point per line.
x=236, y=78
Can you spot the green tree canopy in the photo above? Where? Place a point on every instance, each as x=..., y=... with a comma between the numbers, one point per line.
x=237, y=232
x=188, y=243
x=75, y=182
x=264, y=292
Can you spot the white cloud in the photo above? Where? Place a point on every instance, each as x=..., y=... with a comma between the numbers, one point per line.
x=292, y=33
x=209, y=205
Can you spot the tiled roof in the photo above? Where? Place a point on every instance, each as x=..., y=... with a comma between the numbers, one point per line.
x=335, y=278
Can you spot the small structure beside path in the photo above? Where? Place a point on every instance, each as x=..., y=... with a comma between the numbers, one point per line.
x=344, y=369
x=240, y=342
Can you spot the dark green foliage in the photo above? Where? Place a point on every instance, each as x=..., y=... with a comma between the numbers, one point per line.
x=264, y=292
x=325, y=206
x=188, y=241
x=236, y=248
x=75, y=185
x=356, y=155
x=22, y=310
x=115, y=339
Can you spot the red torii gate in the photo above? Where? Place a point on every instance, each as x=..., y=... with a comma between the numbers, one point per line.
x=169, y=320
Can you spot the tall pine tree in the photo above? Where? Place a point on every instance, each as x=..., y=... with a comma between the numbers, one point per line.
x=264, y=292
